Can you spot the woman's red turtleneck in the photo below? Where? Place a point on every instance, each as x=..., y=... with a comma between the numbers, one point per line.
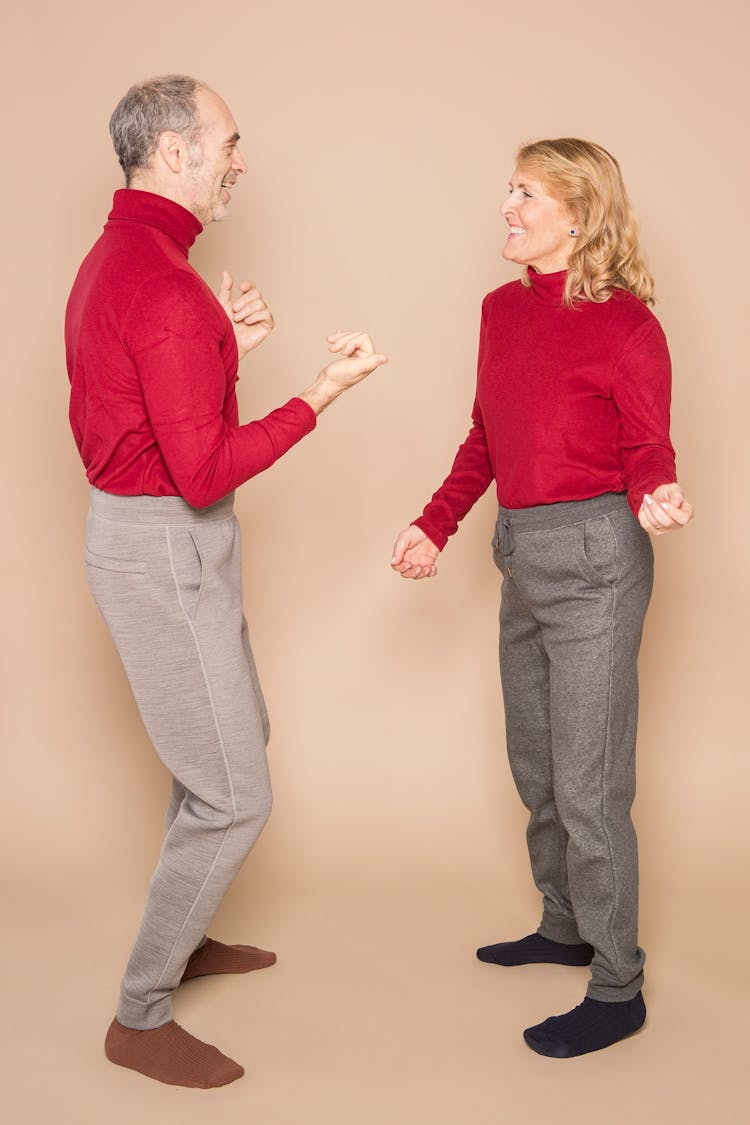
x=570, y=403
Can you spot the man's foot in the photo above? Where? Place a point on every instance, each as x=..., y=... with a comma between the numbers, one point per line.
x=170, y=1054
x=536, y=950
x=215, y=957
x=594, y=1024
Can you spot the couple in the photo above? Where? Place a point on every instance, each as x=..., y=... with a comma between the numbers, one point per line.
x=570, y=419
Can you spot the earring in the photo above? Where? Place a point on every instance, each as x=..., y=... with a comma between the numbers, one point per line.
x=572, y=232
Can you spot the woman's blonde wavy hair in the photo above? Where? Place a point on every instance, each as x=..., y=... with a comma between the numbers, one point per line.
x=606, y=255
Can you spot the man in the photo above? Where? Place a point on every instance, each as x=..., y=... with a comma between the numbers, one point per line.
x=152, y=357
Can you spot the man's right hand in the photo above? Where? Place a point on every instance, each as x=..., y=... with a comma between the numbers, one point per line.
x=414, y=555
x=358, y=360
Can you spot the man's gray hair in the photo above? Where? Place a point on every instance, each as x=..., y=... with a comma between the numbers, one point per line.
x=160, y=105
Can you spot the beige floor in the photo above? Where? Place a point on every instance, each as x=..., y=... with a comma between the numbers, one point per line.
x=376, y=1013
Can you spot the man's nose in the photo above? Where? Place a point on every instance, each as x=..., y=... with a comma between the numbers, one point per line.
x=238, y=163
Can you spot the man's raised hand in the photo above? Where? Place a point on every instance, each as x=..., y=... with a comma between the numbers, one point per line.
x=356, y=360
x=250, y=315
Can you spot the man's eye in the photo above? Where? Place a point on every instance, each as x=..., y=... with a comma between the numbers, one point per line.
x=527, y=194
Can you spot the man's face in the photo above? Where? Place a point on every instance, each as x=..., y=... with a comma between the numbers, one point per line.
x=216, y=163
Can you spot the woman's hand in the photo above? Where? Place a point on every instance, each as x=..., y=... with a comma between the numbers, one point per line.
x=664, y=509
x=250, y=315
x=414, y=555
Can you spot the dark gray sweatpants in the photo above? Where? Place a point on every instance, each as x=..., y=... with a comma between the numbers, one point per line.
x=577, y=582
x=166, y=578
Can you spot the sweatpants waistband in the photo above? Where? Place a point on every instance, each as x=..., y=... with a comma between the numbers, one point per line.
x=157, y=510
x=544, y=517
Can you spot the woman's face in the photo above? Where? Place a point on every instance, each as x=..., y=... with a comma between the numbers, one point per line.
x=540, y=226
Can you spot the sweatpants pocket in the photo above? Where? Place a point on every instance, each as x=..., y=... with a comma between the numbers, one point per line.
x=596, y=551
x=187, y=569
x=107, y=562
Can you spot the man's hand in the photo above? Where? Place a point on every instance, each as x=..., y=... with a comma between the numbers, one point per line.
x=665, y=509
x=358, y=360
x=250, y=315
x=414, y=555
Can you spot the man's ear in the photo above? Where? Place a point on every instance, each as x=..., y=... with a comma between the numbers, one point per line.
x=172, y=150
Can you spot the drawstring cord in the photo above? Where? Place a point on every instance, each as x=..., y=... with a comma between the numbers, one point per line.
x=504, y=541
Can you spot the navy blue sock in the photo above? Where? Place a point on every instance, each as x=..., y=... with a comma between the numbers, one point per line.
x=594, y=1024
x=536, y=950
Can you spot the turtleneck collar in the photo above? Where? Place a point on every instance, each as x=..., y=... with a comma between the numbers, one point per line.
x=548, y=287
x=132, y=205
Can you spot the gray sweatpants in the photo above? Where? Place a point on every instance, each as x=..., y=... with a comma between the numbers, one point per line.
x=166, y=578
x=577, y=582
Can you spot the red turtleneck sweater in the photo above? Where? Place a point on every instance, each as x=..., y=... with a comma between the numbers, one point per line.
x=570, y=403
x=152, y=360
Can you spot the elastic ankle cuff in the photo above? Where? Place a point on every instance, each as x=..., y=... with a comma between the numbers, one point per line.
x=560, y=928
x=615, y=995
x=144, y=1017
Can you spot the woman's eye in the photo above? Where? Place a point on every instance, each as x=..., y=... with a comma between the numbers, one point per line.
x=526, y=194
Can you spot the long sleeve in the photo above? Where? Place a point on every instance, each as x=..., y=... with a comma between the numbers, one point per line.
x=641, y=390
x=470, y=475
x=176, y=339
x=469, y=478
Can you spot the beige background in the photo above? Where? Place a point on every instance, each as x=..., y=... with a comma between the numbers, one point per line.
x=380, y=138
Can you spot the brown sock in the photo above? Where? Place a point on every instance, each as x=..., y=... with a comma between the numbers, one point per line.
x=170, y=1054
x=215, y=957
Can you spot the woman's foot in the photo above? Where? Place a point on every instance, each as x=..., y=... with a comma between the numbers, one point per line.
x=536, y=950
x=591, y=1026
x=170, y=1054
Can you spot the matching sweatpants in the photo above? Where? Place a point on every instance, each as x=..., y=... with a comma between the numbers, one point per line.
x=577, y=580
x=166, y=578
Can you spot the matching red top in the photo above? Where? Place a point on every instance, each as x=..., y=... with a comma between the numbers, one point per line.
x=570, y=403
x=152, y=360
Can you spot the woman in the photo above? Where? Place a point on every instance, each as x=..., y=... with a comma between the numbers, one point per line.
x=571, y=420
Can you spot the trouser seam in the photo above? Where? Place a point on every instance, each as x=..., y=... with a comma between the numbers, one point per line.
x=224, y=758
x=607, y=752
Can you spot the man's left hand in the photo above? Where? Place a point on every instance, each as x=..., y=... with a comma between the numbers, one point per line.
x=250, y=315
